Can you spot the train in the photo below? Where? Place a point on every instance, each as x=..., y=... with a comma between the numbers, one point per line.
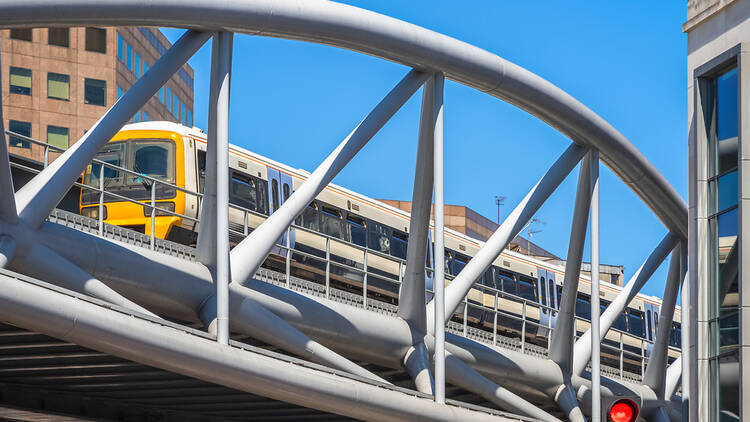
x=343, y=238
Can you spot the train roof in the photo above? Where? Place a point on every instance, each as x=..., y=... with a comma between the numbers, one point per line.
x=197, y=133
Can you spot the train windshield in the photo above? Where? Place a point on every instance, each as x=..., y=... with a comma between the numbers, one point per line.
x=154, y=158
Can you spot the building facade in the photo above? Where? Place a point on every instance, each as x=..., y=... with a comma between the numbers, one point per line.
x=718, y=93
x=57, y=82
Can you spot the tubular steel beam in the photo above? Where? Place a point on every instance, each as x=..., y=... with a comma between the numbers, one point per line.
x=411, y=296
x=224, y=46
x=417, y=363
x=439, y=249
x=152, y=343
x=40, y=195
x=596, y=395
x=460, y=286
x=657, y=363
x=382, y=36
x=561, y=345
x=672, y=378
x=565, y=397
x=7, y=250
x=249, y=254
x=582, y=349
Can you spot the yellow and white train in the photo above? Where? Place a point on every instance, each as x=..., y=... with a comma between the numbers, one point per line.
x=354, y=231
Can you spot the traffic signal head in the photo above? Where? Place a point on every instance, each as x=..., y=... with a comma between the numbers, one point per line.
x=622, y=410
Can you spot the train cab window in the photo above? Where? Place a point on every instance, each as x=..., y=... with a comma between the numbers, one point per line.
x=506, y=282
x=378, y=237
x=112, y=153
x=527, y=288
x=636, y=325
x=154, y=159
x=459, y=262
x=399, y=242
x=330, y=221
x=243, y=191
x=309, y=217
x=355, y=230
x=583, y=307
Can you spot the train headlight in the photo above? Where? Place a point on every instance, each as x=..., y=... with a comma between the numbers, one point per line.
x=93, y=212
x=166, y=206
x=622, y=410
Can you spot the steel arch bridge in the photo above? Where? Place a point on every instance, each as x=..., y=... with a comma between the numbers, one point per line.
x=96, y=301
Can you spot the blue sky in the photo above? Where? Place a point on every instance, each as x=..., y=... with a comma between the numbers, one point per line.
x=294, y=102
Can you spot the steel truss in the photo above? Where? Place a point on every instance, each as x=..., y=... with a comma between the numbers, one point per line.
x=317, y=329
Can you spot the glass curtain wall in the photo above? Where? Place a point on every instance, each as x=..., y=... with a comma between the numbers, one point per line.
x=723, y=326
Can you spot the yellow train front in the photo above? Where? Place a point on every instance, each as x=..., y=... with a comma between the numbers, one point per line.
x=156, y=150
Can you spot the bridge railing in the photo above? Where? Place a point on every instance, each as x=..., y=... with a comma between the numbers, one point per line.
x=626, y=358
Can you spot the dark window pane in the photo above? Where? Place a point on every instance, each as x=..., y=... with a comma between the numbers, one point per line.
x=330, y=222
x=59, y=37
x=506, y=281
x=20, y=81
x=399, y=244
x=729, y=335
x=21, y=128
x=378, y=237
x=543, y=288
x=459, y=262
x=726, y=105
x=243, y=191
x=636, y=324
x=310, y=217
x=527, y=288
x=23, y=34
x=95, y=91
x=727, y=191
x=356, y=232
x=96, y=40
x=201, y=170
x=583, y=307
x=154, y=159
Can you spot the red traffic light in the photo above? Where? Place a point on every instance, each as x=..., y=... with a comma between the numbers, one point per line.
x=623, y=411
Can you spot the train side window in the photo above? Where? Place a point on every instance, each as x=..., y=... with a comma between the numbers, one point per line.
x=459, y=262
x=488, y=279
x=583, y=307
x=355, y=230
x=287, y=191
x=309, y=217
x=399, y=244
x=378, y=237
x=636, y=326
x=552, y=299
x=243, y=191
x=448, y=259
x=527, y=288
x=675, y=335
x=275, y=194
x=330, y=221
x=506, y=281
x=543, y=290
x=201, y=170
x=261, y=201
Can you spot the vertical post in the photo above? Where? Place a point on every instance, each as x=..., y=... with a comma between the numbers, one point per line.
x=439, y=279
x=596, y=404
x=622, y=356
x=153, y=215
x=288, y=257
x=46, y=155
x=224, y=63
x=494, y=323
x=101, y=200
x=364, y=280
x=328, y=268
x=244, y=224
x=466, y=314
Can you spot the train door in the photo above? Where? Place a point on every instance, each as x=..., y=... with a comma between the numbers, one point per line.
x=652, y=319
x=547, y=294
x=279, y=190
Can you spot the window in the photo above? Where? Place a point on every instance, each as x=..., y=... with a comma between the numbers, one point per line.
x=583, y=307
x=145, y=67
x=168, y=98
x=378, y=237
x=636, y=324
x=23, y=34
x=505, y=281
x=189, y=119
x=120, y=48
x=129, y=57
x=95, y=92
x=161, y=95
x=137, y=70
x=154, y=158
x=21, y=128
x=176, y=107
x=527, y=288
x=355, y=231
x=330, y=221
x=243, y=191
x=58, y=136
x=59, y=37
x=119, y=92
x=58, y=86
x=459, y=262
x=20, y=81
x=182, y=114
x=309, y=217
x=543, y=290
x=399, y=244
x=96, y=40
x=145, y=116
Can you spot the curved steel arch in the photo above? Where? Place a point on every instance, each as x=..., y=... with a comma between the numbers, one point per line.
x=391, y=39
x=308, y=326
